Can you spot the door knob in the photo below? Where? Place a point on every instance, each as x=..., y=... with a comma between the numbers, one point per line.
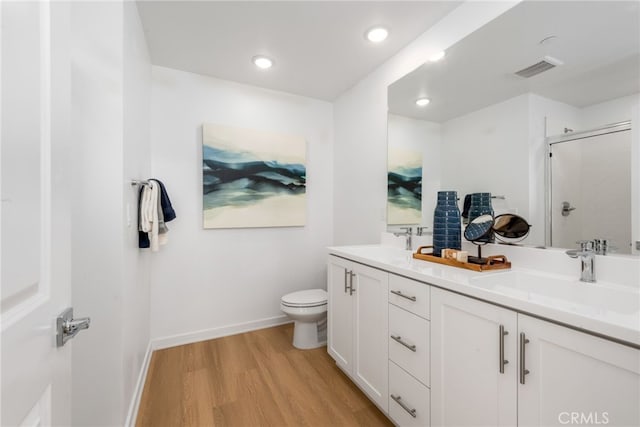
x=68, y=327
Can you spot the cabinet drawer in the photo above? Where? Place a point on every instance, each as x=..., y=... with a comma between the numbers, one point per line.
x=407, y=397
x=409, y=342
x=409, y=294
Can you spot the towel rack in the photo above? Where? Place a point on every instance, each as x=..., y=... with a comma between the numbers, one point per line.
x=498, y=197
x=136, y=182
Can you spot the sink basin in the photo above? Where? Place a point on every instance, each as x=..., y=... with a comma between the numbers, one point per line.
x=592, y=299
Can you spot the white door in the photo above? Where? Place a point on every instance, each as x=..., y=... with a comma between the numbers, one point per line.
x=340, y=313
x=371, y=333
x=575, y=378
x=467, y=385
x=35, y=256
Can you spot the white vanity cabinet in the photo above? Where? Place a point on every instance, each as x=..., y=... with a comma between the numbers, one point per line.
x=473, y=362
x=576, y=376
x=358, y=325
x=554, y=375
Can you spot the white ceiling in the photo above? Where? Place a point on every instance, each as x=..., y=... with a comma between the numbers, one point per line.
x=318, y=47
x=598, y=41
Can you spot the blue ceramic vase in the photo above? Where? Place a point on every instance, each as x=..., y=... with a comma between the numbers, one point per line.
x=446, y=223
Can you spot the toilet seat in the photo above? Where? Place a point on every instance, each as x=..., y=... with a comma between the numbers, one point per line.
x=306, y=298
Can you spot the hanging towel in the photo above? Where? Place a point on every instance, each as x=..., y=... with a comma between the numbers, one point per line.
x=154, y=210
x=167, y=210
x=149, y=214
x=165, y=213
x=466, y=206
x=163, y=238
x=143, y=237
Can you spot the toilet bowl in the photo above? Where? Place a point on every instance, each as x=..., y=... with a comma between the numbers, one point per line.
x=308, y=309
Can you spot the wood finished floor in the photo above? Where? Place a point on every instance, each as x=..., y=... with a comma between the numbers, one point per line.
x=252, y=379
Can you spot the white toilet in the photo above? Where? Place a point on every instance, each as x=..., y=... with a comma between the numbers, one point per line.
x=308, y=309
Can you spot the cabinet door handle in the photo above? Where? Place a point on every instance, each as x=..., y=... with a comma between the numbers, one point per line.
x=400, y=294
x=523, y=370
x=503, y=361
x=398, y=400
x=346, y=287
x=351, y=290
x=398, y=339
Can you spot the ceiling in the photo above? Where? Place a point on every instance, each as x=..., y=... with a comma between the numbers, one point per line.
x=318, y=47
x=598, y=42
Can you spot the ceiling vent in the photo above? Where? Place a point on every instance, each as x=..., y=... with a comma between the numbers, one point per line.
x=546, y=64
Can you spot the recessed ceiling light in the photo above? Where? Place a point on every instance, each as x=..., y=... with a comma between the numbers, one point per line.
x=437, y=57
x=421, y=102
x=377, y=34
x=262, y=62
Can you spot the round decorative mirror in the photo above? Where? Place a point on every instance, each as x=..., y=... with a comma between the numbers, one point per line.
x=479, y=228
x=479, y=231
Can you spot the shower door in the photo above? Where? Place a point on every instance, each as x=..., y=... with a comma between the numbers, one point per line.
x=590, y=191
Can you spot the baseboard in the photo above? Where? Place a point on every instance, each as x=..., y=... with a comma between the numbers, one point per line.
x=137, y=391
x=223, y=331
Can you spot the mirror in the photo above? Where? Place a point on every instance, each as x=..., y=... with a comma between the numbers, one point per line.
x=479, y=232
x=590, y=187
x=539, y=72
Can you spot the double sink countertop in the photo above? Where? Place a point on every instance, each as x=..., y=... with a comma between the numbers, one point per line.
x=606, y=309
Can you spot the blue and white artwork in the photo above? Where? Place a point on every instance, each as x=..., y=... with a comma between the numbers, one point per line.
x=252, y=178
x=404, y=186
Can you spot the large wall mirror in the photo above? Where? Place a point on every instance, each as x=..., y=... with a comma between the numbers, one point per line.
x=544, y=78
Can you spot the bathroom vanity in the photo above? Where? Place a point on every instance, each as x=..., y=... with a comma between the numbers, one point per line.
x=435, y=345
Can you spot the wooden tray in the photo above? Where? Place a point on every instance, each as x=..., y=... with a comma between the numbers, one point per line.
x=495, y=262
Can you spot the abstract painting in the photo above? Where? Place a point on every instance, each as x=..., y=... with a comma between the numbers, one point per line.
x=404, y=186
x=252, y=178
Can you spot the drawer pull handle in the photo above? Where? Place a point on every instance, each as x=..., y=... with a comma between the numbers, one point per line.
x=351, y=290
x=346, y=286
x=523, y=371
x=400, y=294
x=399, y=401
x=398, y=339
x=503, y=361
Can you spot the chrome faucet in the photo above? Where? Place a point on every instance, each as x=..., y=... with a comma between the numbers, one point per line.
x=408, y=231
x=601, y=246
x=587, y=256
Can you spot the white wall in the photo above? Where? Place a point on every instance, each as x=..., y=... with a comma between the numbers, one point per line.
x=203, y=280
x=110, y=80
x=96, y=212
x=546, y=117
x=487, y=151
x=137, y=165
x=424, y=137
x=613, y=111
x=360, y=120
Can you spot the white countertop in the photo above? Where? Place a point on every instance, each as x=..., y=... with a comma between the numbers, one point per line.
x=607, y=309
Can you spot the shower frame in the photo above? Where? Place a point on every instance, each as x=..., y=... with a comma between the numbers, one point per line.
x=566, y=137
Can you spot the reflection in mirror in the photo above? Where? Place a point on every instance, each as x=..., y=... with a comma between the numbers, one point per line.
x=404, y=185
x=534, y=71
x=509, y=226
x=590, y=184
x=479, y=232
